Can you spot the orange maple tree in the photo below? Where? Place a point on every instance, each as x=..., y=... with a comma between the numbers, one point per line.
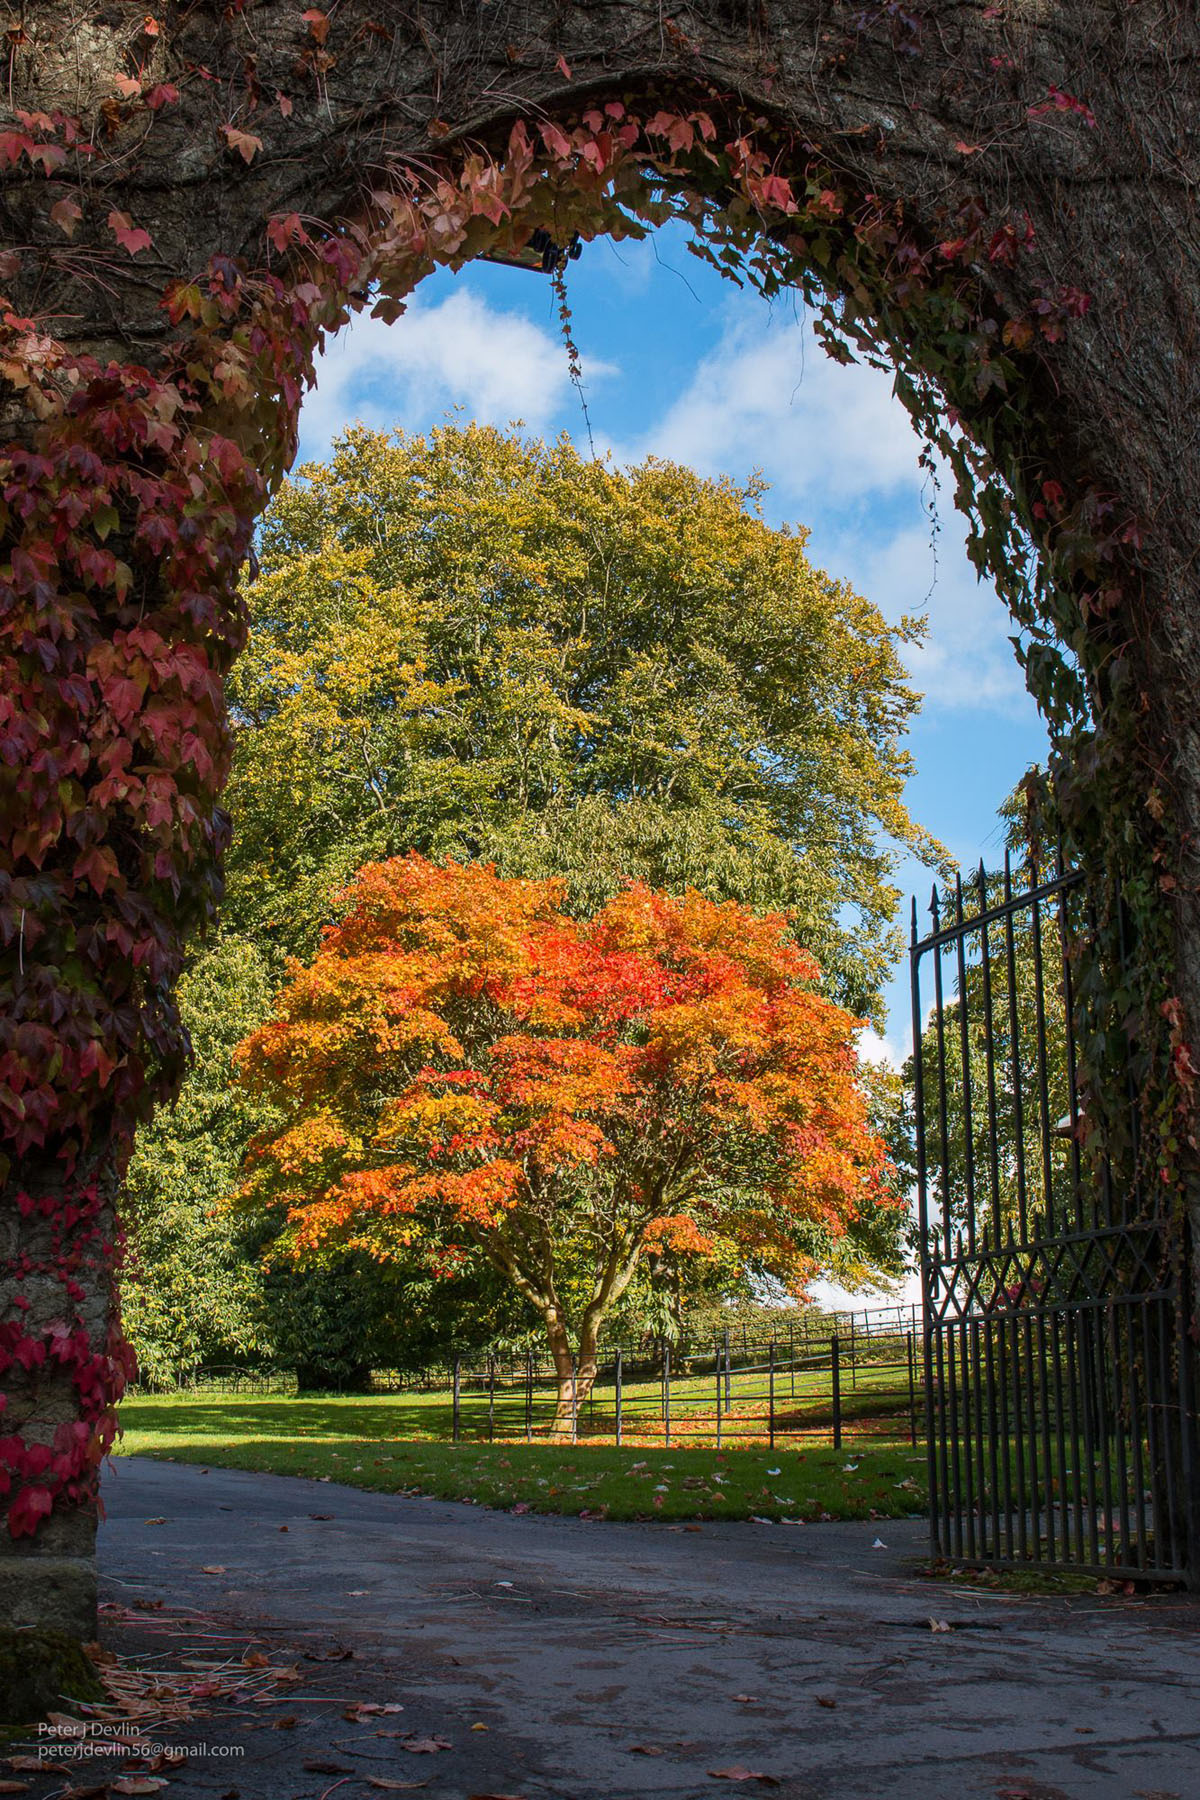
x=463, y=1064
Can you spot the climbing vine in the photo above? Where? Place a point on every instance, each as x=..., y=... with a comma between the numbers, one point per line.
x=126, y=511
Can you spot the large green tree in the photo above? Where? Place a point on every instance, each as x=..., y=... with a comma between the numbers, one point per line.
x=480, y=646
x=475, y=645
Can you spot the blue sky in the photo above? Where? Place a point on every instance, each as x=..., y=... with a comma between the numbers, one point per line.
x=681, y=364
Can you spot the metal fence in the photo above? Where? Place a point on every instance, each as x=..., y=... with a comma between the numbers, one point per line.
x=1058, y=1371
x=840, y=1385
x=823, y=1378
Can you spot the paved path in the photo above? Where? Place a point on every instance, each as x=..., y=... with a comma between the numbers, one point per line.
x=573, y=1641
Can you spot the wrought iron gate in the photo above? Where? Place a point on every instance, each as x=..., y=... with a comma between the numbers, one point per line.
x=1058, y=1369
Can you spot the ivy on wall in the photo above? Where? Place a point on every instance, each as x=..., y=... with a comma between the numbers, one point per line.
x=126, y=511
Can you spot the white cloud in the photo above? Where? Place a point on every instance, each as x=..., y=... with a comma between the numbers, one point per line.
x=768, y=397
x=841, y=456
x=966, y=660
x=879, y=1051
x=498, y=365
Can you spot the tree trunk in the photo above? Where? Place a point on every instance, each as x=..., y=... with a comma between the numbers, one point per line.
x=567, y=1401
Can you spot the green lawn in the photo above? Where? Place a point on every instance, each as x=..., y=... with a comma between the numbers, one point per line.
x=373, y=1443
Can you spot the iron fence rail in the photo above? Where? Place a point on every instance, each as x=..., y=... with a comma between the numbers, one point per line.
x=764, y=1395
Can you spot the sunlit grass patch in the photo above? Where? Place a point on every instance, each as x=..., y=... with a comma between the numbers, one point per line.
x=363, y=1443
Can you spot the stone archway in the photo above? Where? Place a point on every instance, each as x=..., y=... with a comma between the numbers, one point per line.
x=1001, y=195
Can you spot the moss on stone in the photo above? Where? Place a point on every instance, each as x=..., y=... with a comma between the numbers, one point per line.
x=38, y=1671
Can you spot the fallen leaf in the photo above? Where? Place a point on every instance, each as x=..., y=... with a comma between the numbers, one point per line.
x=738, y=1773
x=14, y=1787
x=746, y=1699
x=156, y=1521
x=824, y=1700
x=879, y=1544
x=322, y=1515
x=213, y=1569
x=289, y=1723
x=646, y=1750
x=479, y=1726
x=424, y=1746
x=938, y=1625
x=254, y=1659
x=137, y=1784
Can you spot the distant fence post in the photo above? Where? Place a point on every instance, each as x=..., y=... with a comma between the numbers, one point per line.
x=912, y=1392
x=617, y=1381
x=727, y=1375
x=529, y=1396
x=792, y=1360
x=491, y=1398
x=835, y=1364
x=853, y=1356
x=574, y=1399
x=717, y=1367
x=667, y=1392
x=771, y=1395
x=457, y=1395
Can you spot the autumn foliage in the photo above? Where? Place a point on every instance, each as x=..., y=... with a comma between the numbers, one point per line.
x=464, y=1065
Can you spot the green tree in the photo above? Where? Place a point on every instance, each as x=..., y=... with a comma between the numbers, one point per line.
x=478, y=646
x=190, y=1292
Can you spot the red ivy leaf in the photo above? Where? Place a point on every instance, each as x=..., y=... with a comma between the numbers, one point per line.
x=244, y=142
x=31, y=1505
x=555, y=140
x=286, y=230
x=66, y=214
x=131, y=237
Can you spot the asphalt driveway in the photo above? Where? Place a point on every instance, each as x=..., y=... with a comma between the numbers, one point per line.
x=561, y=1659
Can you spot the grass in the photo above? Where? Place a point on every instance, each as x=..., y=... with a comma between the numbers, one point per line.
x=369, y=1443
